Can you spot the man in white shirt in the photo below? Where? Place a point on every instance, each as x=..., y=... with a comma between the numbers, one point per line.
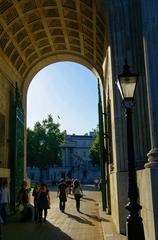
x=4, y=201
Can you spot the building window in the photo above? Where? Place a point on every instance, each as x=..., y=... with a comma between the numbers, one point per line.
x=84, y=154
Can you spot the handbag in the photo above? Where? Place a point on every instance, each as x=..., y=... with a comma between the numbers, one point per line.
x=21, y=207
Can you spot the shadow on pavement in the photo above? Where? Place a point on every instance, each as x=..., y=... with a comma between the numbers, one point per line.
x=79, y=219
x=32, y=231
x=96, y=218
x=89, y=199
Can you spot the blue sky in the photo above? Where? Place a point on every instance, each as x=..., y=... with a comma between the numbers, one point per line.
x=68, y=90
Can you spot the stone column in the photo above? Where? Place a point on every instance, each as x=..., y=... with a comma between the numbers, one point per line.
x=150, y=39
x=125, y=36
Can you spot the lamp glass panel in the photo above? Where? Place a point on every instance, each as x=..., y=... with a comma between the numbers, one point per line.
x=128, y=85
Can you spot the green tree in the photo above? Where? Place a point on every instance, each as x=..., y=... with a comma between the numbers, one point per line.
x=43, y=144
x=95, y=149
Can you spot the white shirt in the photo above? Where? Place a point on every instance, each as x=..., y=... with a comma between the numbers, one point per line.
x=4, y=195
x=77, y=190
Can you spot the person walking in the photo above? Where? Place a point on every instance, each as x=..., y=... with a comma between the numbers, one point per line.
x=23, y=201
x=43, y=203
x=62, y=194
x=4, y=201
x=36, y=194
x=78, y=193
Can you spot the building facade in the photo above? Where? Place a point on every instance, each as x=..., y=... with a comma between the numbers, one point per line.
x=76, y=158
x=76, y=162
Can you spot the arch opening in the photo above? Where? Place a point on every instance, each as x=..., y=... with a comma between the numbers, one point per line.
x=70, y=90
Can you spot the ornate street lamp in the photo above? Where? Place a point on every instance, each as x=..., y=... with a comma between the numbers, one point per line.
x=127, y=83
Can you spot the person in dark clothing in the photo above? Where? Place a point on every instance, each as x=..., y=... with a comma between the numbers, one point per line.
x=24, y=200
x=35, y=194
x=23, y=194
x=62, y=193
x=43, y=203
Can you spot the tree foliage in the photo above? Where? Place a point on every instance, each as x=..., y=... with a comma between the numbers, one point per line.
x=95, y=149
x=43, y=144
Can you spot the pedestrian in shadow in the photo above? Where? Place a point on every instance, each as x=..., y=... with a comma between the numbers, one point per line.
x=78, y=193
x=4, y=201
x=23, y=201
x=36, y=194
x=62, y=194
x=43, y=203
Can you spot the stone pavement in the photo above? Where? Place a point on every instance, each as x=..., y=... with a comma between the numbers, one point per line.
x=71, y=225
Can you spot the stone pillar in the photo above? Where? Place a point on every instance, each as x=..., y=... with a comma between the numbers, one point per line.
x=150, y=38
x=125, y=36
x=120, y=47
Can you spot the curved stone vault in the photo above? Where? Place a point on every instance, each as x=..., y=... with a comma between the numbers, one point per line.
x=34, y=30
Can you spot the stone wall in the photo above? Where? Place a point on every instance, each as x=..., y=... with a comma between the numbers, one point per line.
x=148, y=195
x=126, y=41
x=148, y=192
x=119, y=199
x=7, y=85
x=4, y=124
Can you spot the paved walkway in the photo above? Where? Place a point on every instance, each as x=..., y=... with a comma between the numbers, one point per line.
x=70, y=225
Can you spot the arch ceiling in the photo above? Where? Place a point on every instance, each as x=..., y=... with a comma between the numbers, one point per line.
x=34, y=30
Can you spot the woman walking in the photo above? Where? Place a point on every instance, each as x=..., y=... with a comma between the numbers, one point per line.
x=78, y=193
x=35, y=194
x=43, y=203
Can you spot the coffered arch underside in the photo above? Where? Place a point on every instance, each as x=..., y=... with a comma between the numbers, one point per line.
x=34, y=33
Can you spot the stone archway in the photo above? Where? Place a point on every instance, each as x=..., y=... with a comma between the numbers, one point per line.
x=33, y=32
